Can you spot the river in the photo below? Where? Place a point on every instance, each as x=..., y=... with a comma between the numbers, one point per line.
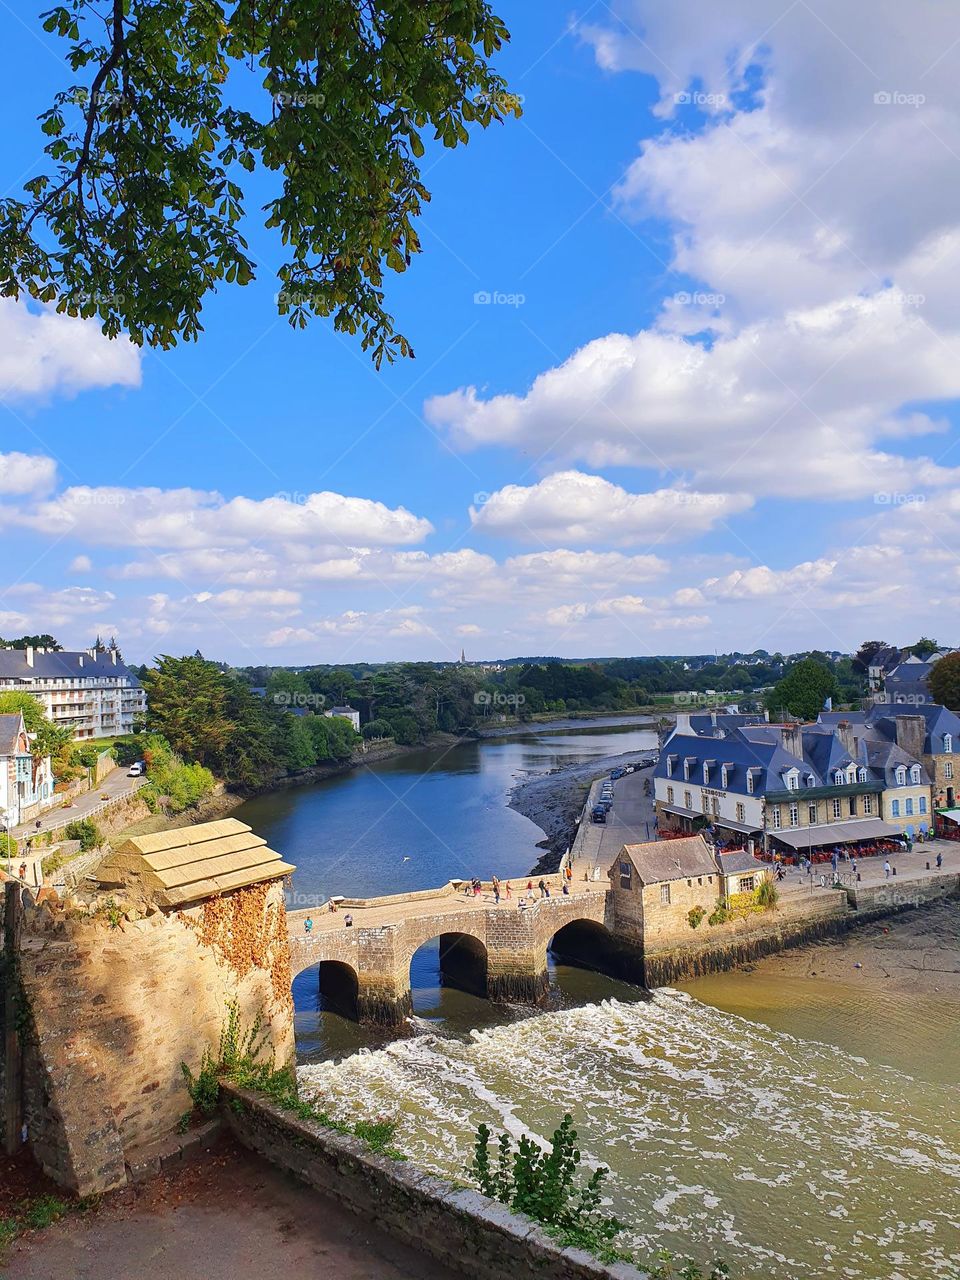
x=796, y=1122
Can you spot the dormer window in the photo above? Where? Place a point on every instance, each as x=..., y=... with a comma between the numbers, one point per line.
x=792, y=779
x=686, y=769
x=915, y=773
x=947, y=743
x=749, y=782
x=838, y=778
x=669, y=766
x=901, y=776
x=852, y=775
x=861, y=775
x=811, y=780
x=706, y=773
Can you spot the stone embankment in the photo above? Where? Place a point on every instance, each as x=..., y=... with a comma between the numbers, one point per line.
x=476, y=1237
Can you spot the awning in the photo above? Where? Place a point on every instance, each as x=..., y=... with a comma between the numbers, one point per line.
x=712, y=818
x=837, y=833
x=951, y=815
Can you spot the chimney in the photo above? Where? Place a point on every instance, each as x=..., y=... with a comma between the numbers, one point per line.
x=113, y=656
x=29, y=653
x=79, y=659
x=791, y=740
x=911, y=734
x=846, y=735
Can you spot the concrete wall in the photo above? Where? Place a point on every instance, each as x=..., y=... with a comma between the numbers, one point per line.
x=117, y=1007
x=475, y=1237
x=894, y=895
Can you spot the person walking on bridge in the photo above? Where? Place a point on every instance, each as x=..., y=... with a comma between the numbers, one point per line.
x=542, y=886
x=308, y=926
x=495, y=886
x=507, y=891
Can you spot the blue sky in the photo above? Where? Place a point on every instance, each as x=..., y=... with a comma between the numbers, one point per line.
x=711, y=403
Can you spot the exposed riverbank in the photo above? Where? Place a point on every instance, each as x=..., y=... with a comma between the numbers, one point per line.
x=555, y=801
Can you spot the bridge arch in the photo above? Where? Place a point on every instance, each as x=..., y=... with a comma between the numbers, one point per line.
x=588, y=944
x=338, y=984
x=462, y=960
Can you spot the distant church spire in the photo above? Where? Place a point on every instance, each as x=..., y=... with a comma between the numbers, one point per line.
x=463, y=655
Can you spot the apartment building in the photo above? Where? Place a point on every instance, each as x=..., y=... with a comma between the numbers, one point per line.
x=90, y=691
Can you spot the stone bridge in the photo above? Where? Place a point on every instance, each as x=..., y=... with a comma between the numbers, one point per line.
x=493, y=950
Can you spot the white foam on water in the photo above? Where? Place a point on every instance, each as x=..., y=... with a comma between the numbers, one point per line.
x=722, y=1136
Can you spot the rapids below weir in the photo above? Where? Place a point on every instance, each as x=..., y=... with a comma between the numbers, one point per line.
x=789, y=1158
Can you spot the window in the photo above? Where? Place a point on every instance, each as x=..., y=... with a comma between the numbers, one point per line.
x=853, y=806
x=915, y=774
x=948, y=769
x=901, y=776
x=716, y=807
x=686, y=770
x=861, y=775
x=665, y=895
x=775, y=817
x=741, y=813
x=747, y=884
x=811, y=780
x=793, y=781
x=626, y=875
x=838, y=778
x=669, y=766
x=794, y=815
x=867, y=806
x=704, y=802
x=749, y=782
x=894, y=808
x=837, y=807
x=669, y=795
x=923, y=804
x=687, y=800
x=812, y=815
x=724, y=777
x=947, y=743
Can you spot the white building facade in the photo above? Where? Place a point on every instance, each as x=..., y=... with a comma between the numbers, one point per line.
x=89, y=691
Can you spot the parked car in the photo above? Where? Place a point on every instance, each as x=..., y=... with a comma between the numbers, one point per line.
x=137, y=770
x=617, y=773
x=598, y=814
x=604, y=803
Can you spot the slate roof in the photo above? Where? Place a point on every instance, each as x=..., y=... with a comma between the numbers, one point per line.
x=60, y=666
x=176, y=868
x=738, y=860
x=660, y=860
x=939, y=721
x=9, y=733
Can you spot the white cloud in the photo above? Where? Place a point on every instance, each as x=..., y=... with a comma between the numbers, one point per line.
x=42, y=354
x=197, y=519
x=574, y=507
x=80, y=564
x=795, y=406
x=23, y=473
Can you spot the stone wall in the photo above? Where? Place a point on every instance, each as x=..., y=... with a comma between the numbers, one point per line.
x=713, y=948
x=475, y=1237
x=872, y=901
x=118, y=1003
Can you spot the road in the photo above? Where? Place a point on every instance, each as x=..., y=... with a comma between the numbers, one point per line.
x=630, y=821
x=114, y=786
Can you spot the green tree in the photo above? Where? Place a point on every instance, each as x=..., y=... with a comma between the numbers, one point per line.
x=49, y=739
x=377, y=729
x=187, y=704
x=944, y=681
x=924, y=647
x=138, y=213
x=803, y=690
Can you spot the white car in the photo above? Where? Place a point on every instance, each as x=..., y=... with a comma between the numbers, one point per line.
x=137, y=770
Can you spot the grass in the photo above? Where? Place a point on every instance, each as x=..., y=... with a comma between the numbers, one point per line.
x=34, y=1215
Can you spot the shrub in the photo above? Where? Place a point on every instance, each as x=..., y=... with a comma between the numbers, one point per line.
x=86, y=831
x=542, y=1185
x=695, y=916
x=377, y=729
x=719, y=915
x=767, y=894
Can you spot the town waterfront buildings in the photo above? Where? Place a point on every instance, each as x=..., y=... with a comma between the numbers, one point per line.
x=90, y=691
x=849, y=778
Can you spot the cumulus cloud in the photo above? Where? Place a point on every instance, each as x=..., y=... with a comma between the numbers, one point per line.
x=575, y=507
x=196, y=519
x=23, y=473
x=80, y=564
x=43, y=354
x=796, y=406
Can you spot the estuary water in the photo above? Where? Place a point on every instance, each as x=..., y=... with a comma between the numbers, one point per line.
x=799, y=1128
